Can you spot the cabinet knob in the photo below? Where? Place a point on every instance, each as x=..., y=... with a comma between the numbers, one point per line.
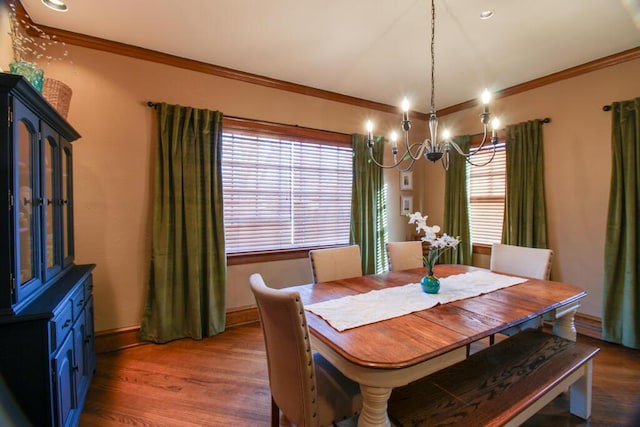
x=49, y=201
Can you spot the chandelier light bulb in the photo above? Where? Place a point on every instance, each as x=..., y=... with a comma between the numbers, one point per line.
x=405, y=105
x=394, y=141
x=486, y=97
x=495, y=123
x=369, y=133
x=446, y=135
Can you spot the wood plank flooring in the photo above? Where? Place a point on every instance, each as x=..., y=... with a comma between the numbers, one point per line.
x=222, y=381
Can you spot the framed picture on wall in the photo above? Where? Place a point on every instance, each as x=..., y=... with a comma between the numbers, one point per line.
x=406, y=205
x=406, y=180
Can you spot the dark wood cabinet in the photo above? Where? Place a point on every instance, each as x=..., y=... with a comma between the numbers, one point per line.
x=47, y=352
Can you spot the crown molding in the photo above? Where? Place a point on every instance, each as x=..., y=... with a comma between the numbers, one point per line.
x=118, y=48
x=598, y=64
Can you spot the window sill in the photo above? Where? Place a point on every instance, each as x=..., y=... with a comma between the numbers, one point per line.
x=270, y=256
x=481, y=248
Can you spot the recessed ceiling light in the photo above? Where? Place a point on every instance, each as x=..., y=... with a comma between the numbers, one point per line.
x=483, y=15
x=57, y=5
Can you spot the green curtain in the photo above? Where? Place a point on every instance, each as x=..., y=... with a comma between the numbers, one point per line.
x=525, y=221
x=186, y=292
x=621, y=299
x=456, y=206
x=368, y=228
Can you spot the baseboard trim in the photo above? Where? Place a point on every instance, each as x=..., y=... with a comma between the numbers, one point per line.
x=588, y=325
x=122, y=338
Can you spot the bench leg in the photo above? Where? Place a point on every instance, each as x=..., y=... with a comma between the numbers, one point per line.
x=374, y=407
x=580, y=399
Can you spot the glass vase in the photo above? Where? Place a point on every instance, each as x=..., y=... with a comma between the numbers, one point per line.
x=430, y=284
x=30, y=71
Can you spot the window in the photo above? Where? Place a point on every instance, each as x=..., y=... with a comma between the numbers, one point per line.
x=486, y=190
x=284, y=188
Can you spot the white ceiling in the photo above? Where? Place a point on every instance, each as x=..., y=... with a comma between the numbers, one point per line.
x=376, y=50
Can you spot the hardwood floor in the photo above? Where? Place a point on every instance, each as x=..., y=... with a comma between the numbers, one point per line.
x=222, y=381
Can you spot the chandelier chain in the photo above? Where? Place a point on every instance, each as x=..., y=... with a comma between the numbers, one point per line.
x=433, y=56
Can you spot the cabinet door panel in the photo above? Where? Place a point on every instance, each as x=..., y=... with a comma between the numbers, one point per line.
x=81, y=373
x=65, y=395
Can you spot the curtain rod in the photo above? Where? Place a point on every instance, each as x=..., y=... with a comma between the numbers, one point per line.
x=606, y=108
x=155, y=105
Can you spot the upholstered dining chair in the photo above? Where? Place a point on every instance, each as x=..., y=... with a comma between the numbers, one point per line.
x=529, y=262
x=306, y=389
x=335, y=263
x=404, y=255
x=520, y=260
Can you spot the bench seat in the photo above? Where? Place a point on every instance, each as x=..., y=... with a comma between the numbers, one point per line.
x=502, y=385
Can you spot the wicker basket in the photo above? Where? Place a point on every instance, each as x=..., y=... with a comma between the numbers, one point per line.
x=58, y=94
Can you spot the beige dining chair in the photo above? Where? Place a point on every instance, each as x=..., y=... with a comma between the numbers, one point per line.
x=523, y=261
x=306, y=389
x=520, y=260
x=335, y=263
x=404, y=255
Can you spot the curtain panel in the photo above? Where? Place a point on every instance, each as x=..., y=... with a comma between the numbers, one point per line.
x=368, y=228
x=456, y=207
x=525, y=221
x=621, y=290
x=186, y=292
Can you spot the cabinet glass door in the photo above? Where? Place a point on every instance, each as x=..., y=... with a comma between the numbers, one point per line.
x=49, y=177
x=66, y=201
x=52, y=204
x=27, y=216
x=27, y=203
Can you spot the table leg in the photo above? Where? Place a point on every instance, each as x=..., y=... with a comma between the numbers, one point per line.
x=564, y=325
x=374, y=407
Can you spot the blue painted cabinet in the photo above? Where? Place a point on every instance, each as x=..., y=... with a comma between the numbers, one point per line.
x=47, y=353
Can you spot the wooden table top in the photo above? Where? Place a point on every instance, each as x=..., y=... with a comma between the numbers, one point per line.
x=411, y=339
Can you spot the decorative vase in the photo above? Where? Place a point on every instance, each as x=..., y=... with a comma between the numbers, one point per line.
x=430, y=283
x=30, y=71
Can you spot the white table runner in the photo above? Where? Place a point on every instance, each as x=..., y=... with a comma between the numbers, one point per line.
x=357, y=310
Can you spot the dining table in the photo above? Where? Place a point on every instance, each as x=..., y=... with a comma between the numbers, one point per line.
x=395, y=351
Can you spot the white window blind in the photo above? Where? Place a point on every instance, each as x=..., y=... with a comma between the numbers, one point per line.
x=486, y=190
x=281, y=193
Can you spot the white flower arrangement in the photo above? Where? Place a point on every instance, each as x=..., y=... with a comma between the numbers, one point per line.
x=437, y=244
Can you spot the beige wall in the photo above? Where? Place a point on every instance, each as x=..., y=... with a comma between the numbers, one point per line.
x=577, y=145
x=113, y=163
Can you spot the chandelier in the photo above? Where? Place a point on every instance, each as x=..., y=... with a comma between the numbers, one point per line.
x=431, y=149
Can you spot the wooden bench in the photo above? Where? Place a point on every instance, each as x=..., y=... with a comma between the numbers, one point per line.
x=502, y=385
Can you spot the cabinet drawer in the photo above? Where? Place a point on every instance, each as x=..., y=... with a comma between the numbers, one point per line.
x=61, y=324
x=77, y=300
